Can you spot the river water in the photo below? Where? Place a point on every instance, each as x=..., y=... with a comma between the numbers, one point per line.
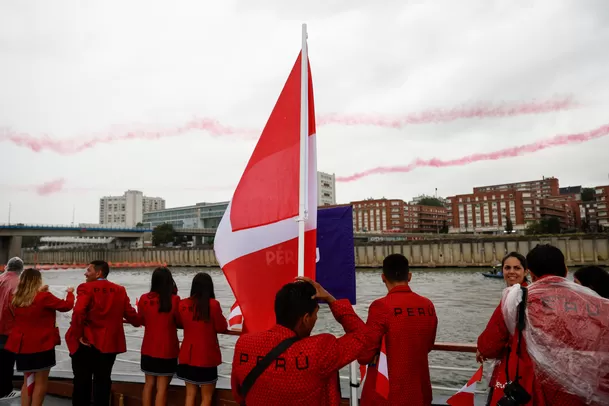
x=463, y=298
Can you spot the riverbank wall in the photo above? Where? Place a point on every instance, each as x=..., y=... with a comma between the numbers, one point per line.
x=442, y=252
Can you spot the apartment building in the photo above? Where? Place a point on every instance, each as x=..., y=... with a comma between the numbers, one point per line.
x=538, y=188
x=127, y=210
x=601, y=198
x=326, y=189
x=395, y=215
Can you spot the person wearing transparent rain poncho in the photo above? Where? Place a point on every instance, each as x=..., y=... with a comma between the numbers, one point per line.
x=556, y=346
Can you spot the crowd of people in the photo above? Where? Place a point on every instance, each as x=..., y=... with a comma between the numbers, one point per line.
x=549, y=337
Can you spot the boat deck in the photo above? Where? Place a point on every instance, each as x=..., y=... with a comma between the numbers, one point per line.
x=48, y=401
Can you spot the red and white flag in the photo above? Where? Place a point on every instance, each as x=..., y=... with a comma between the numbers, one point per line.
x=256, y=243
x=382, y=376
x=235, y=318
x=465, y=396
x=30, y=381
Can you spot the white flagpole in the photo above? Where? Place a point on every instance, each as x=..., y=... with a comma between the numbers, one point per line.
x=304, y=140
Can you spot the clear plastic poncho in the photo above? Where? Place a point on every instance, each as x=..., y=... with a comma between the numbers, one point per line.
x=566, y=334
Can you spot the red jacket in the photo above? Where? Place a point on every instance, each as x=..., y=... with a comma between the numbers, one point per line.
x=8, y=283
x=307, y=373
x=98, y=317
x=34, y=329
x=160, y=334
x=200, y=347
x=493, y=341
x=409, y=323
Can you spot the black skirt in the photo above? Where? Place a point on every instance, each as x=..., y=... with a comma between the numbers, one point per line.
x=158, y=366
x=38, y=361
x=197, y=375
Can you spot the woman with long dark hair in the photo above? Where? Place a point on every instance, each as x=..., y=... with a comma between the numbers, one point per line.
x=202, y=319
x=34, y=336
x=159, y=312
x=515, y=270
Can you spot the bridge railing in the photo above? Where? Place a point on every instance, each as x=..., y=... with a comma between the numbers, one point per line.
x=100, y=227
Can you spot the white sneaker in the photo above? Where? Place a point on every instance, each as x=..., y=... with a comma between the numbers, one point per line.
x=13, y=395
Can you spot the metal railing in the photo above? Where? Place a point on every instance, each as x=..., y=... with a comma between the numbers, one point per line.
x=75, y=227
x=352, y=377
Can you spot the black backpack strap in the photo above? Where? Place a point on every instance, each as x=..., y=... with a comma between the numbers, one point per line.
x=264, y=363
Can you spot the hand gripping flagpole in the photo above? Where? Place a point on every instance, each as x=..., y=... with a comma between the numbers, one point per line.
x=304, y=142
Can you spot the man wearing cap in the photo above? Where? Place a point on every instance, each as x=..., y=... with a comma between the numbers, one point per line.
x=8, y=284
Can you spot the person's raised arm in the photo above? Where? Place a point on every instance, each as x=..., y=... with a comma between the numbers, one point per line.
x=50, y=301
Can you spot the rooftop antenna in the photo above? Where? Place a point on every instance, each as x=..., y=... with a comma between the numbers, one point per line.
x=9, y=214
x=73, y=214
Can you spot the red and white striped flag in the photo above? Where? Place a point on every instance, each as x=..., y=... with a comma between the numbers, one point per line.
x=235, y=318
x=30, y=381
x=382, y=376
x=465, y=396
x=256, y=242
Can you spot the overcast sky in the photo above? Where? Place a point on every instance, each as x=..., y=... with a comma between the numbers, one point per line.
x=79, y=69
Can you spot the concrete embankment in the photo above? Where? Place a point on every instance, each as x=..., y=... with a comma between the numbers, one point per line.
x=441, y=252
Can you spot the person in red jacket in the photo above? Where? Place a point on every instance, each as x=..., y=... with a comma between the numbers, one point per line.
x=8, y=284
x=307, y=372
x=408, y=322
x=96, y=334
x=515, y=270
x=563, y=359
x=33, y=336
x=159, y=313
x=202, y=320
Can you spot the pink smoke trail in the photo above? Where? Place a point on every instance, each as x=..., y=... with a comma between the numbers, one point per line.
x=483, y=110
x=76, y=145
x=59, y=185
x=487, y=156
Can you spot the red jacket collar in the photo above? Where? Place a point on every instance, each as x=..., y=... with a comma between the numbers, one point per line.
x=282, y=331
x=401, y=289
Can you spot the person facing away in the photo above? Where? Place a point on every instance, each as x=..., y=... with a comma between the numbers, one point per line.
x=307, y=372
x=202, y=320
x=96, y=334
x=408, y=323
x=515, y=271
x=9, y=280
x=34, y=334
x=561, y=355
x=595, y=278
x=159, y=314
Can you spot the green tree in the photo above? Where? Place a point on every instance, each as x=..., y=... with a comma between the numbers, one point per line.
x=547, y=225
x=139, y=225
x=587, y=194
x=431, y=201
x=509, y=227
x=163, y=234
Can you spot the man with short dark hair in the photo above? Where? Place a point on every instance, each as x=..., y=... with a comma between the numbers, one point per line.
x=306, y=373
x=96, y=334
x=407, y=322
x=563, y=354
x=8, y=284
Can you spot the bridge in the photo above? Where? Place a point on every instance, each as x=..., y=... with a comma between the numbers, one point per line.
x=11, y=235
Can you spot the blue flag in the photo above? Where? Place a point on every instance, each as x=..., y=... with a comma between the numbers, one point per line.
x=335, y=253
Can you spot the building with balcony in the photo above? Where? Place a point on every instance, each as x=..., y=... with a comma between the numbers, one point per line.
x=488, y=208
x=326, y=189
x=601, y=200
x=394, y=215
x=537, y=188
x=127, y=210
